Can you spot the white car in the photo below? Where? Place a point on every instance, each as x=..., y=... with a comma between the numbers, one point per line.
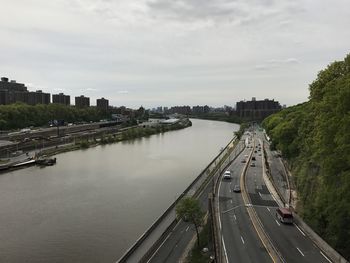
x=227, y=174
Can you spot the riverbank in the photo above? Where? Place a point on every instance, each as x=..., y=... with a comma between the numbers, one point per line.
x=124, y=135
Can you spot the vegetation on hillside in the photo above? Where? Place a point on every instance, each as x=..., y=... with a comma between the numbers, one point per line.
x=22, y=115
x=315, y=138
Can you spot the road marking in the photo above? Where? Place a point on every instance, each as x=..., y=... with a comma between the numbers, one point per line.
x=235, y=217
x=268, y=209
x=325, y=257
x=300, y=252
x=187, y=228
x=160, y=247
x=223, y=242
x=277, y=222
x=231, y=201
x=260, y=194
x=242, y=239
x=300, y=230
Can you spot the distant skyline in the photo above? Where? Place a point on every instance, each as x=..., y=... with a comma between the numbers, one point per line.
x=172, y=52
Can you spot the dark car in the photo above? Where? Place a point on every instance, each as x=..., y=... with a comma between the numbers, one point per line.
x=236, y=189
x=253, y=158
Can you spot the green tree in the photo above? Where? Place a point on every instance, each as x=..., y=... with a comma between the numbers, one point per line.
x=188, y=209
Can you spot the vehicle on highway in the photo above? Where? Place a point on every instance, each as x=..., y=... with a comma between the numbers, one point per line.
x=253, y=158
x=227, y=174
x=243, y=161
x=237, y=188
x=252, y=164
x=284, y=215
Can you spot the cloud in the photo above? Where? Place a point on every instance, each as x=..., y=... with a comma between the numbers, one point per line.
x=276, y=63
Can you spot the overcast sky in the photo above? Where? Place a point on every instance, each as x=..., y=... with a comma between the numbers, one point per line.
x=172, y=52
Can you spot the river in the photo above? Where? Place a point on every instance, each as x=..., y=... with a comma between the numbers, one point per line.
x=93, y=204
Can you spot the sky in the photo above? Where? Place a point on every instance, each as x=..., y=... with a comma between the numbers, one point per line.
x=172, y=52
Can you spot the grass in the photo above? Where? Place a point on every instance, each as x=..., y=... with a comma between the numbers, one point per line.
x=196, y=255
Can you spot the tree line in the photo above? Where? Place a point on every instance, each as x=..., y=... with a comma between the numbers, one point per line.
x=20, y=115
x=315, y=138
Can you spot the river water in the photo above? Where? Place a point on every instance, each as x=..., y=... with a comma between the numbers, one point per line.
x=93, y=204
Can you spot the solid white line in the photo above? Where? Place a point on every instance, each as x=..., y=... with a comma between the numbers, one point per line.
x=300, y=230
x=300, y=252
x=268, y=209
x=325, y=257
x=223, y=243
x=277, y=222
x=242, y=239
x=187, y=228
x=160, y=247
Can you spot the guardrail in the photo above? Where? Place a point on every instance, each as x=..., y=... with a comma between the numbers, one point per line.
x=209, y=171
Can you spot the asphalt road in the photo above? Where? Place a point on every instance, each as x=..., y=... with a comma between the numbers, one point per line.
x=172, y=249
x=241, y=242
x=289, y=240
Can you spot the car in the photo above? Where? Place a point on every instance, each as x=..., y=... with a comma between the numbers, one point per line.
x=252, y=164
x=243, y=161
x=253, y=158
x=227, y=174
x=255, y=151
x=237, y=188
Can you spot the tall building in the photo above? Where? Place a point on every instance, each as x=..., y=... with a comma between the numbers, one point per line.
x=61, y=99
x=102, y=104
x=82, y=101
x=12, y=92
x=257, y=109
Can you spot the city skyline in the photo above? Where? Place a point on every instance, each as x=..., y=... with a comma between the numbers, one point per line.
x=164, y=53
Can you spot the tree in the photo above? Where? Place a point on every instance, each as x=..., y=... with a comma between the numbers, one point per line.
x=188, y=209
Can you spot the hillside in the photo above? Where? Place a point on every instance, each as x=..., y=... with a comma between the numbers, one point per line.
x=315, y=139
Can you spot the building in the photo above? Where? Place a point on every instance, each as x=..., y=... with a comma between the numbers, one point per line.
x=185, y=110
x=102, y=104
x=61, y=99
x=257, y=109
x=82, y=101
x=12, y=92
x=198, y=110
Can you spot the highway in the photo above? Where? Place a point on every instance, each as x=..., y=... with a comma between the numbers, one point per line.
x=240, y=240
x=290, y=241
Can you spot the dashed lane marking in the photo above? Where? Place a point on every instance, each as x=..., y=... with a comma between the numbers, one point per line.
x=268, y=209
x=242, y=239
x=277, y=222
x=187, y=228
x=300, y=230
x=300, y=252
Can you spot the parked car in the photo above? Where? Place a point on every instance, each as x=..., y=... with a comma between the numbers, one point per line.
x=252, y=164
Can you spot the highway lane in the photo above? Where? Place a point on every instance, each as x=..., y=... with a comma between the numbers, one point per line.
x=240, y=239
x=175, y=244
x=289, y=240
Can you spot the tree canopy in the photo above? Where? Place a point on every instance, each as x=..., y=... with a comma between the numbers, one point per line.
x=188, y=209
x=315, y=138
x=20, y=115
